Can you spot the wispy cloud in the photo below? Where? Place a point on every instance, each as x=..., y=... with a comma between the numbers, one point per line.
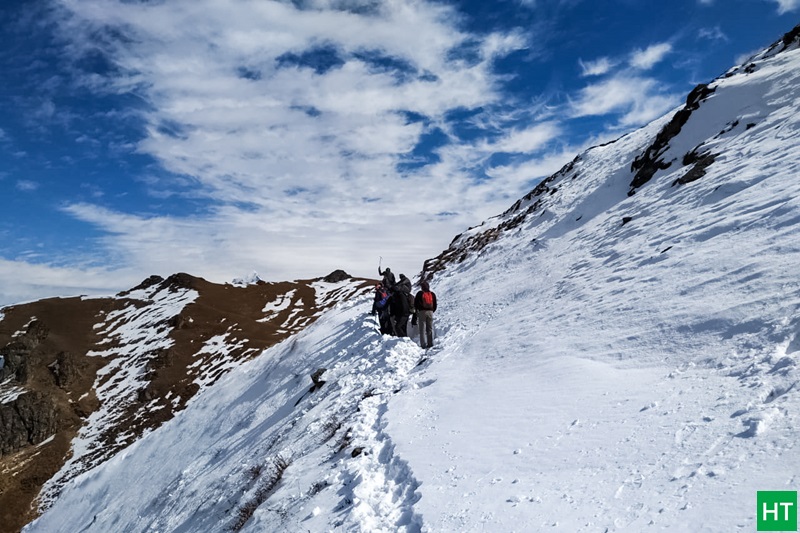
x=598, y=67
x=255, y=99
x=293, y=124
x=526, y=140
x=624, y=90
x=27, y=185
x=637, y=99
x=650, y=56
x=785, y=6
x=712, y=34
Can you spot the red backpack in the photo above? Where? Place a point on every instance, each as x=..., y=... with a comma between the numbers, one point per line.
x=427, y=300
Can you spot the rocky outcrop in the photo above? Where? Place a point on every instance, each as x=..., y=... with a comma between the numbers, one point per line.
x=16, y=354
x=464, y=245
x=67, y=369
x=30, y=419
x=336, y=276
x=651, y=161
x=146, y=284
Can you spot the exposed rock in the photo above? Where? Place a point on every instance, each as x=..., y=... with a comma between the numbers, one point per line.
x=698, y=170
x=37, y=332
x=180, y=280
x=17, y=353
x=336, y=276
x=14, y=359
x=66, y=369
x=163, y=359
x=650, y=162
x=149, y=282
x=178, y=322
x=316, y=377
x=791, y=37
x=145, y=395
x=29, y=419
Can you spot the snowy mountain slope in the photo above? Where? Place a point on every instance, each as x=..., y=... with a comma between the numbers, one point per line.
x=82, y=379
x=626, y=375
x=216, y=456
x=614, y=353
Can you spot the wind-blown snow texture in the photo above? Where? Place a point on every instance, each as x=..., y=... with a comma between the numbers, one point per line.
x=588, y=375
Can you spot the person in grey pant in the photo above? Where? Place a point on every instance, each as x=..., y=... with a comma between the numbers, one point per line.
x=425, y=305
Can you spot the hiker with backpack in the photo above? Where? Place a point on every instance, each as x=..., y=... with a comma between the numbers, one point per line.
x=380, y=307
x=425, y=305
x=401, y=303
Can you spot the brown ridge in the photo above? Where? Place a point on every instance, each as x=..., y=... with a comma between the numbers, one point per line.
x=49, y=341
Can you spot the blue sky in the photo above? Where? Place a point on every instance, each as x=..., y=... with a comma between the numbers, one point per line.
x=218, y=137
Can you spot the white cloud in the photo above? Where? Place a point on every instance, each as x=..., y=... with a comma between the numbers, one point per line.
x=299, y=147
x=23, y=281
x=598, y=67
x=527, y=140
x=291, y=124
x=713, y=34
x=785, y=6
x=637, y=99
x=650, y=56
x=27, y=185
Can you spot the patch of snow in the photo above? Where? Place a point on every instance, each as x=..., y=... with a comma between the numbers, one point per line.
x=328, y=294
x=48, y=440
x=21, y=332
x=9, y=391
x=280, y=304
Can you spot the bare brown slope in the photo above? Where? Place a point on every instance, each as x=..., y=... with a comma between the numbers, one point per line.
x=47, y=384
x=64, y=331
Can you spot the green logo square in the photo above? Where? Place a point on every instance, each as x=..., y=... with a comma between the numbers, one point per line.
x=777, y=510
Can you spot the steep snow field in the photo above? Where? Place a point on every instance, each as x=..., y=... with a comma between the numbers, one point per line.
x=627, y=377
x=588, y=375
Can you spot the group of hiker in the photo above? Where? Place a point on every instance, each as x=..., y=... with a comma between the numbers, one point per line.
x=394, y=305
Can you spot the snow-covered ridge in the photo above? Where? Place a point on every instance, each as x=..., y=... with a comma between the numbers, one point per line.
x=130, y=338
x=117, y=368
x=684, y=143
x=605, y=361
x=216, y=457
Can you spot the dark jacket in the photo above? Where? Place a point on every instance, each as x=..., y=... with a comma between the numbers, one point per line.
x=399, y=305
x=404, y=285
x=388, y=278
x=418, y=305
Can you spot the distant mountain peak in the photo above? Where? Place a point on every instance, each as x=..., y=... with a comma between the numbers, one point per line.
x=250, y=279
